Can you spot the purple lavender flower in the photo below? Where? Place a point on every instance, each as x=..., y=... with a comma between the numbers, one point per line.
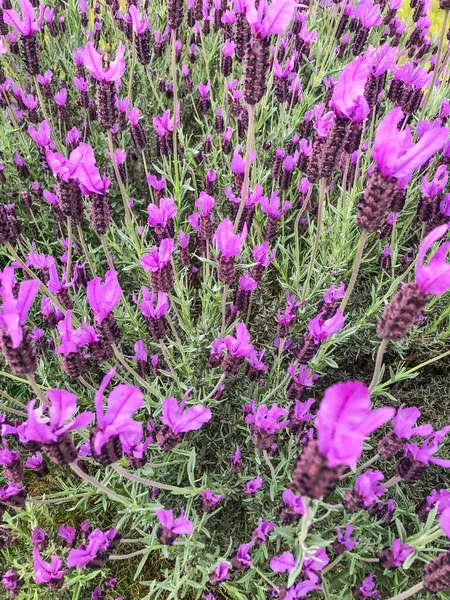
x=252, y=486
x=123, y=401
x=94, y=553
x=49, y=573
x=394, y=556
x=209, y=500
x=170, y=528
x=261, y=533
x=220, y=573
x=343, y=541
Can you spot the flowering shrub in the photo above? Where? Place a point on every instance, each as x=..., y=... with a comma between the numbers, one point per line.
x=210, y=211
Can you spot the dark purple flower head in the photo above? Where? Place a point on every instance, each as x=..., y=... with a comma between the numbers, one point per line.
x=123, y=401
x=16, y=307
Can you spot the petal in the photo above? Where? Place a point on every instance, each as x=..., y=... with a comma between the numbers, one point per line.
x=63, y=405
x=123, y=401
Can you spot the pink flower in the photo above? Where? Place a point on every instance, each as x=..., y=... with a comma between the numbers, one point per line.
x=181, y=420
x=267, y=419
x=134, y=116
x=42, y=135
x=94, y=64
x=16, y=307
x=86, y=172
x=368, y=488
x=434, y=278
x=229, y=243
x=47, y=429
x=262, y=255
x=304, y=377
x=162, y=214
x=158, y=258
x=425, y=453
x=240, y=345
x=345, y=419
x=46, y=572
x=148, y=307
x=61, y=97
x=334, y=293
x=322, y=330
x=344, y=538
x=179, y=526
x=269, y=19
x=123, y=401
x=204, y=204
x=83, y=555
x=28, y=24
x=295, y=503
x=394, y=151
x=273, y=206
x=252, y=486
x=404, y=422
x=103, y=297
x=139, y=25
x=348, y=99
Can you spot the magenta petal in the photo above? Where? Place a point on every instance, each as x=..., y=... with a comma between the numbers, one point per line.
x=93, y=61
x=123, y=401
x=193, y=418
x=278, y=16
x=284, y=562
x=63, y=405
x=182, y=526
x=165, y=517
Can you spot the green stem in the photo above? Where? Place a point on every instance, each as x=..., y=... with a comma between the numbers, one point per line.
x=150, y=483
x=436, y=65
x=378, y=364
x=408, y=593
x=245, y=185
x=13, y=411
x=69, y=249
x=322, y=190
x=106, y=251
x=37, y=390
x=128, y=556
x=216, y=387
x=224, y=306
x=175, y=102
x=85, y=250
x=103, y=488
x=355, y=271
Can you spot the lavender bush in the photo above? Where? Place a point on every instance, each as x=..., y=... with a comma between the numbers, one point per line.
x=223, y=260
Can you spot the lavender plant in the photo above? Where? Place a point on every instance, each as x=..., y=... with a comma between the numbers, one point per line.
x=223, y=245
